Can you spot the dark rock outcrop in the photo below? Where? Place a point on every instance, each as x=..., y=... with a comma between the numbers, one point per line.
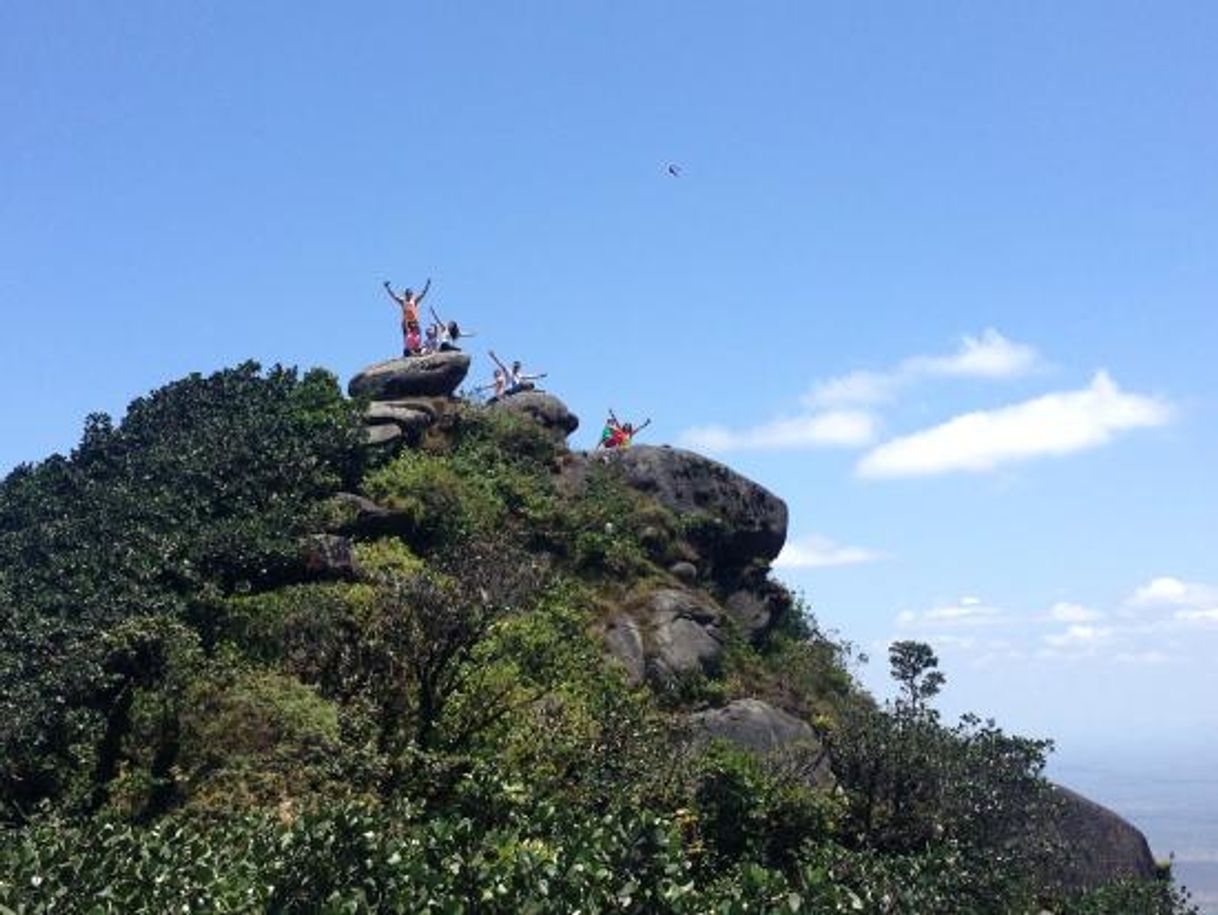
x=668, y=633
x=328, y=556
x=757, y=602
x=1100, y=846
x=364, y=518
x=545, y=409
x=744, y=520
x=684, y=571
x=435, y=375
x=402, y=414
x=754, y=724
x=761, y=728
x=383, y=434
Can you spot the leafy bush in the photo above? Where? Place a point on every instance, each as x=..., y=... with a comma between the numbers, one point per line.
x=202, y=490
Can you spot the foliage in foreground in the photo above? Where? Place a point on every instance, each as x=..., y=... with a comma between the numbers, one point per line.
x=188, y=723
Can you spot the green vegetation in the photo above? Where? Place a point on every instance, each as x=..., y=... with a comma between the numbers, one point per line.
x=191, y=719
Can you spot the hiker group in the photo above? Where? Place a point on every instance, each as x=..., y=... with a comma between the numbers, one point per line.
x=617, y=434
x=442, y=336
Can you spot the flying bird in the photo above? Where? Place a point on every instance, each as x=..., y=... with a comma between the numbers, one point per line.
x=674, y=170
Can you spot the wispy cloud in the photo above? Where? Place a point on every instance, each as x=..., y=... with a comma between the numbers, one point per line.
x=817, y=552
x=1054, y=424
x=1065, y=612
x=1197, y=616
x=990, y=355
x=1142, y=657
x=837, y=428
x=1171, y=593
x=967, y=611
x=1079, y=637
x=837, y=409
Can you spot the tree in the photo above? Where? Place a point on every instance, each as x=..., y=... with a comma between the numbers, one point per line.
x=914, y=668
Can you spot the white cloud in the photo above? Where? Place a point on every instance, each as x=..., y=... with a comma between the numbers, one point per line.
x=836, y=408
x=990, y=356
x=1141, y=657
x=840, y=428
x=817, y=552
x=967, y=611
x=1197, y=616
x=1064, y=612
x=861, y=388
x=1054, y=424
x=1168, y=592
x=1079, y=637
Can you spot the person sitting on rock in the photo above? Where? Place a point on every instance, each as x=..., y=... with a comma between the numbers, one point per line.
x=522, y=381
x=430, y=342
x=621, y=435
x=448, y=333
x=499, y=386
x=409, y=301
x=517, y=379
x=414, y=340
x=612, y=426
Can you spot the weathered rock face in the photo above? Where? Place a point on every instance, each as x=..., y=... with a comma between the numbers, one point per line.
x=667, y=633
x=545, y=409
x=438, y=374
x=1102, y=847
x=757, y=602
x=399, y=413
x=759, y=727
x=365, y=519
x=382, y=434
x=745, y=520
x=754, y=724
x=327, y=556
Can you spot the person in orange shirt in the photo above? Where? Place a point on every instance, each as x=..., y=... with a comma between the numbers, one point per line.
x=409, y=301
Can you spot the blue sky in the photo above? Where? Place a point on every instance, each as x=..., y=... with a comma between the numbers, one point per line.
x=943, y=275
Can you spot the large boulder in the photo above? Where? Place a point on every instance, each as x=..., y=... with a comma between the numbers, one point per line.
x=328, y=556
x=1100, y=847
x=435, y=375
x=666, y=634
x=362, y=518
x=761, y=728
x=744, y=520
x=545, y=409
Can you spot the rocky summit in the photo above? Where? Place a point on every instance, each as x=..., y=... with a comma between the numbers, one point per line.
x=434, y=375
x=268, y=648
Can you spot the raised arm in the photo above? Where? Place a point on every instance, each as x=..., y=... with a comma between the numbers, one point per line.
x=439, y=320
x=426, y=286
x=506, y=371
x=393, y=295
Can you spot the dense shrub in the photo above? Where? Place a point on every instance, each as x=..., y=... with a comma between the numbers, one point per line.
x=203, y=489
x=188, y=723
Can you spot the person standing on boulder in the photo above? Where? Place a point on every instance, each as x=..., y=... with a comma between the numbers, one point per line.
x=409, y=301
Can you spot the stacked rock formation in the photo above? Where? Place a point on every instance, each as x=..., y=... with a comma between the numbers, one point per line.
x=407, y=395
x=733, y=530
